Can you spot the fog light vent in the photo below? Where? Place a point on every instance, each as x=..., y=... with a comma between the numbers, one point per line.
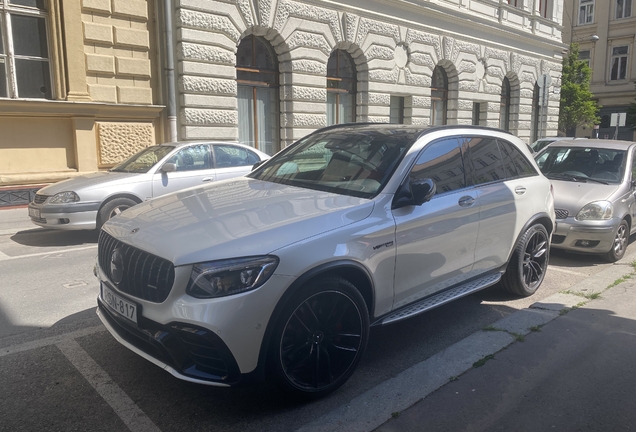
x=587, y=243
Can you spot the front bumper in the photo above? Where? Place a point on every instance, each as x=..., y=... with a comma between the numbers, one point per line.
x=74, y=216
x=190, y=353
x=593, y=237
x=227, y=331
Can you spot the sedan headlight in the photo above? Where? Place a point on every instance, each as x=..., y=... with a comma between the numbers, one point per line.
x=64, y=197
x=597, y=210
x=227, y=277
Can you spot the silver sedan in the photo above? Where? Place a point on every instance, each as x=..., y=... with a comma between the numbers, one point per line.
x=594, y=194
x=87, y=201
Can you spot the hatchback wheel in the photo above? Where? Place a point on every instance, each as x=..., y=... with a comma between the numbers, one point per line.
x=529, y=262
x=621, y=240
x=320, y=337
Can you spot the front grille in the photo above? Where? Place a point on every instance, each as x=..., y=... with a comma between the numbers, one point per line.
x=145, y=276
x=561, y=214
x=39, y=199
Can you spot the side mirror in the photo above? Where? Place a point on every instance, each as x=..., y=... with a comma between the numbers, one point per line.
x=257, y=164
x=169, y=167
x=414, y=193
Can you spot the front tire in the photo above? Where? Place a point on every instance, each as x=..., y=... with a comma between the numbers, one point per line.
x=619, y=245
x=112, y=208
x=320, y=337
x=529, y=262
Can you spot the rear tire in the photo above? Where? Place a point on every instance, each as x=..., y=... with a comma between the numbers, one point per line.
x=528, y=263
x=112, y=208
x=619, y=245
x=320, y=337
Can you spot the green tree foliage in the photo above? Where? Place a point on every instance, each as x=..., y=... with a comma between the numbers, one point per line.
x=578, y=108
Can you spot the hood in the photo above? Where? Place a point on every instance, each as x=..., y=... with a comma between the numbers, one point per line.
x=572, y=196
x=87, y=181
x=233, y=218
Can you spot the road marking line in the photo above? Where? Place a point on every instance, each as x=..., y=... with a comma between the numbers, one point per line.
x=566, y=271
x=13, y=231
x=119, y=401
x=53, y=340
x=5, y=257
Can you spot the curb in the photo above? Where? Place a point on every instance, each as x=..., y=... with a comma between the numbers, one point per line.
x=373, y=408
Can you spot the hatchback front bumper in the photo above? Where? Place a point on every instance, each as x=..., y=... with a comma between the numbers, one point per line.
x=593, y=237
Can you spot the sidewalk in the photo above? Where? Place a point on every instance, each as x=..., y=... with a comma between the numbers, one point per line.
x=575, y=373
x=551, y=364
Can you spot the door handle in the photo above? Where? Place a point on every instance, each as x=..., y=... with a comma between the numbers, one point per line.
x=520, y=190
x=466, y=201
x=207, y=179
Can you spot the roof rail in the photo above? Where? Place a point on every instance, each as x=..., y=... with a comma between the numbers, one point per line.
x=445, y=127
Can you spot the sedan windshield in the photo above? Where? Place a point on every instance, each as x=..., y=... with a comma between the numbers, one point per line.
x=141, y=162
x=583, y=164
x=356, y=163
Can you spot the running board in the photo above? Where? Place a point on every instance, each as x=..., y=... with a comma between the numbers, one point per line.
x=439, y=299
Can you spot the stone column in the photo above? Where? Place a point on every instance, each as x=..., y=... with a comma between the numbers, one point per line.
x=85, y=144
x=74, y=38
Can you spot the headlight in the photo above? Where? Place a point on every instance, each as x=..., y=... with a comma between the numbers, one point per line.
x=598, y=210
x=227, y=277
x=64, y=197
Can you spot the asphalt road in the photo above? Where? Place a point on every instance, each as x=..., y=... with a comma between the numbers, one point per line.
x=61, y=370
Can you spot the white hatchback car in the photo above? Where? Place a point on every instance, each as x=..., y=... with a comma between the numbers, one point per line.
x=283, y=272
x=87, y=201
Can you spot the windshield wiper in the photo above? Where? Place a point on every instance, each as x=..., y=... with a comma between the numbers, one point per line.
x=573, y=177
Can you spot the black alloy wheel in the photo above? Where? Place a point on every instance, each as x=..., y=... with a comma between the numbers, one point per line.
x=529, y=262
x=323, y=336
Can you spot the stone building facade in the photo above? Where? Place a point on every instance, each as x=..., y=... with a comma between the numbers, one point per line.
x=417, y=62
x=78, y=88
x=262, y=72
x=606, y=34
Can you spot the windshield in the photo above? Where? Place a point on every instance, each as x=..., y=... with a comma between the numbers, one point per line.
x=356, y=163
x=587, y=164
x=141, y=162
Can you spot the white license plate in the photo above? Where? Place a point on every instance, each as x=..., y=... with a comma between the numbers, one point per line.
x=123, y=307
x=34, y=213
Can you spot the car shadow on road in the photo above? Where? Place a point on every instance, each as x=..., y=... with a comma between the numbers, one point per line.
x=55, y=238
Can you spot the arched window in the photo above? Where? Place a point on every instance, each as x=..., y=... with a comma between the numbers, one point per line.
x=341, y=88
x=439, y=97
x=504, y=110
x=536, y=113
x=257, y=79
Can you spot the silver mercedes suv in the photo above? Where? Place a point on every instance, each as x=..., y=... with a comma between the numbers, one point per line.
x=281, y=273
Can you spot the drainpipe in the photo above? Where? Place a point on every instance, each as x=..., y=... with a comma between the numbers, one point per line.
x=169, y=44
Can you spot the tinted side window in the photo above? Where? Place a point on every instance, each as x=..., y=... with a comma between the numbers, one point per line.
x=485, y=159
x=232, y=156
x=515, y=162
x=442, y=162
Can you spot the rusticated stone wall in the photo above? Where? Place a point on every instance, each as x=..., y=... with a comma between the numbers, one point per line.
x=393, y=56
x=117, y=50
x=118, y=141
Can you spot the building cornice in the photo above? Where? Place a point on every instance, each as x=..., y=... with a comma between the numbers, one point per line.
x=48, y=108
x=433, y=12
